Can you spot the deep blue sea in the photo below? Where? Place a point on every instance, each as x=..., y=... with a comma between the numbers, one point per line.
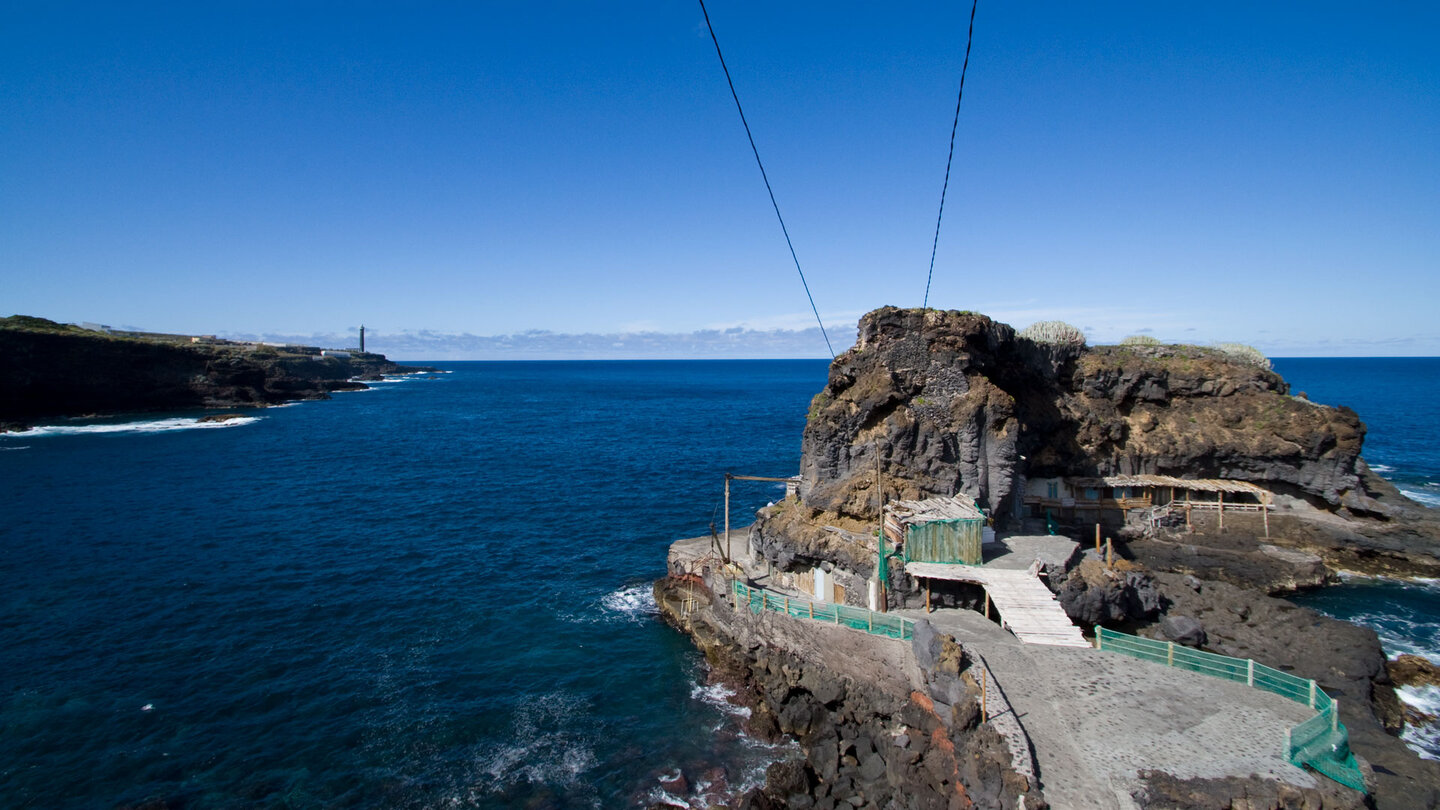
x=434, y=593
x=1396, y=398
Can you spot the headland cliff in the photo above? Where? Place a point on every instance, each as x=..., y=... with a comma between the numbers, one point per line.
x=50, y=370
x=1216, y=492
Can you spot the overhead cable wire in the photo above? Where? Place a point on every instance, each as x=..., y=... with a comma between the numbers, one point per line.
x=969, y=38
x=766, y=178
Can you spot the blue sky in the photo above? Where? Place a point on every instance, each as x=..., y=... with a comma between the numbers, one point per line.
x=1266, y=173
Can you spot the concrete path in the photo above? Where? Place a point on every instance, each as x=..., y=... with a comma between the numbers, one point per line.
x=1095, y=718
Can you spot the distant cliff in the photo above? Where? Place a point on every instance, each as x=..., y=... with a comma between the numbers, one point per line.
x=50, y=370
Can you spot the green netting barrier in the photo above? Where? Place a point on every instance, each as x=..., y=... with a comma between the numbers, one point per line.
x=879, y=624
x=952, y=540
x=1320, y=743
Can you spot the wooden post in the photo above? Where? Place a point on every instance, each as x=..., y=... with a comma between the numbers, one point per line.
x=1097, y=537
x=880, y=535
x=727, y=517
x=1187, y=516
x=1265, y=512
x=1312, y=694
x=927, y=595
x=1222, y=509
x=787, y=606
x=1099, y=645
x=1109, y=554
x=987, y=603
x=1250, y=672
x=1170, y=654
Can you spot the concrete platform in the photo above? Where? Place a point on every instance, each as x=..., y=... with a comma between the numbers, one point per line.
x=1095, y=718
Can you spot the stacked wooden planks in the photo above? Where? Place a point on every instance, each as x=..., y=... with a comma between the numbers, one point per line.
x=1026, y=606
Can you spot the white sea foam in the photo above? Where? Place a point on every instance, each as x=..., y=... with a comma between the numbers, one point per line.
x=633, y=604
x=719, y=695
x=1381, y=468
x=1423, y=738
x=21, y=447
x=1423, y=496
x=550, y=743
x=151, y=426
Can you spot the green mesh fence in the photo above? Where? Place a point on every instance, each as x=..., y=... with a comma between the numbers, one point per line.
x=950, y=540
x=880, y=624
x=1320, y=743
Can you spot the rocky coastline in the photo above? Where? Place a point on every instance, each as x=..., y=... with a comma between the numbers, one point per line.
x=945, y=403
x=50, y=370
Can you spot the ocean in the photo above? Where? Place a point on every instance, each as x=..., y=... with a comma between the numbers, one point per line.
x=435, y=593
x=1395, y=397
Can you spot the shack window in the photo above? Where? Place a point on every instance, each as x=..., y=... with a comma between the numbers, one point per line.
x=1052, y=489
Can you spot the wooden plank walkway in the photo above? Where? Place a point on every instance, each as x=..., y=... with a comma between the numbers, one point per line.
x=1027, y=608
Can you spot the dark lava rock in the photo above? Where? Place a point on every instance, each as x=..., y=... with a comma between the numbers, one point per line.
x=956, y=402
x=1092, y=594
x=1413, y=670
x=1183, y=630
x=787, y=778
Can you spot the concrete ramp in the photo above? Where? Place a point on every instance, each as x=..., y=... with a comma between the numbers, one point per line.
x=1026, y=606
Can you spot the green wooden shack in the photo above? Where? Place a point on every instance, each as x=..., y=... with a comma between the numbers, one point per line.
x=941, y=530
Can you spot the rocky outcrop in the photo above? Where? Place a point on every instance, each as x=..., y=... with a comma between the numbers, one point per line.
x=938, y=403
x=62, y=372
x=947, y=402
x=1413, y=670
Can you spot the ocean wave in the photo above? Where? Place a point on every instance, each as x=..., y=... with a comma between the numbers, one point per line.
x=149, y=426
x=719, y=695
x=1426, y=497
x=1402, y=636
x=635, y=603
x=550, y=744
x=1381, y=468
x=1423, y=738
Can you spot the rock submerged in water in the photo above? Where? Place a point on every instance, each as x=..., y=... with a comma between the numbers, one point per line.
x=220, y=417
x=1413, y=670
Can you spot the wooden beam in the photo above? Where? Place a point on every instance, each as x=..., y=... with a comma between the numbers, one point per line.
x=728, y=476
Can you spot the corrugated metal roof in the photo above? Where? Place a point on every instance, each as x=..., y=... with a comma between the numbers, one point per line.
x=1192, y=484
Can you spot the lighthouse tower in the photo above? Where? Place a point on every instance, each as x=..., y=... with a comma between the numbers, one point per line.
x=362, y=338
